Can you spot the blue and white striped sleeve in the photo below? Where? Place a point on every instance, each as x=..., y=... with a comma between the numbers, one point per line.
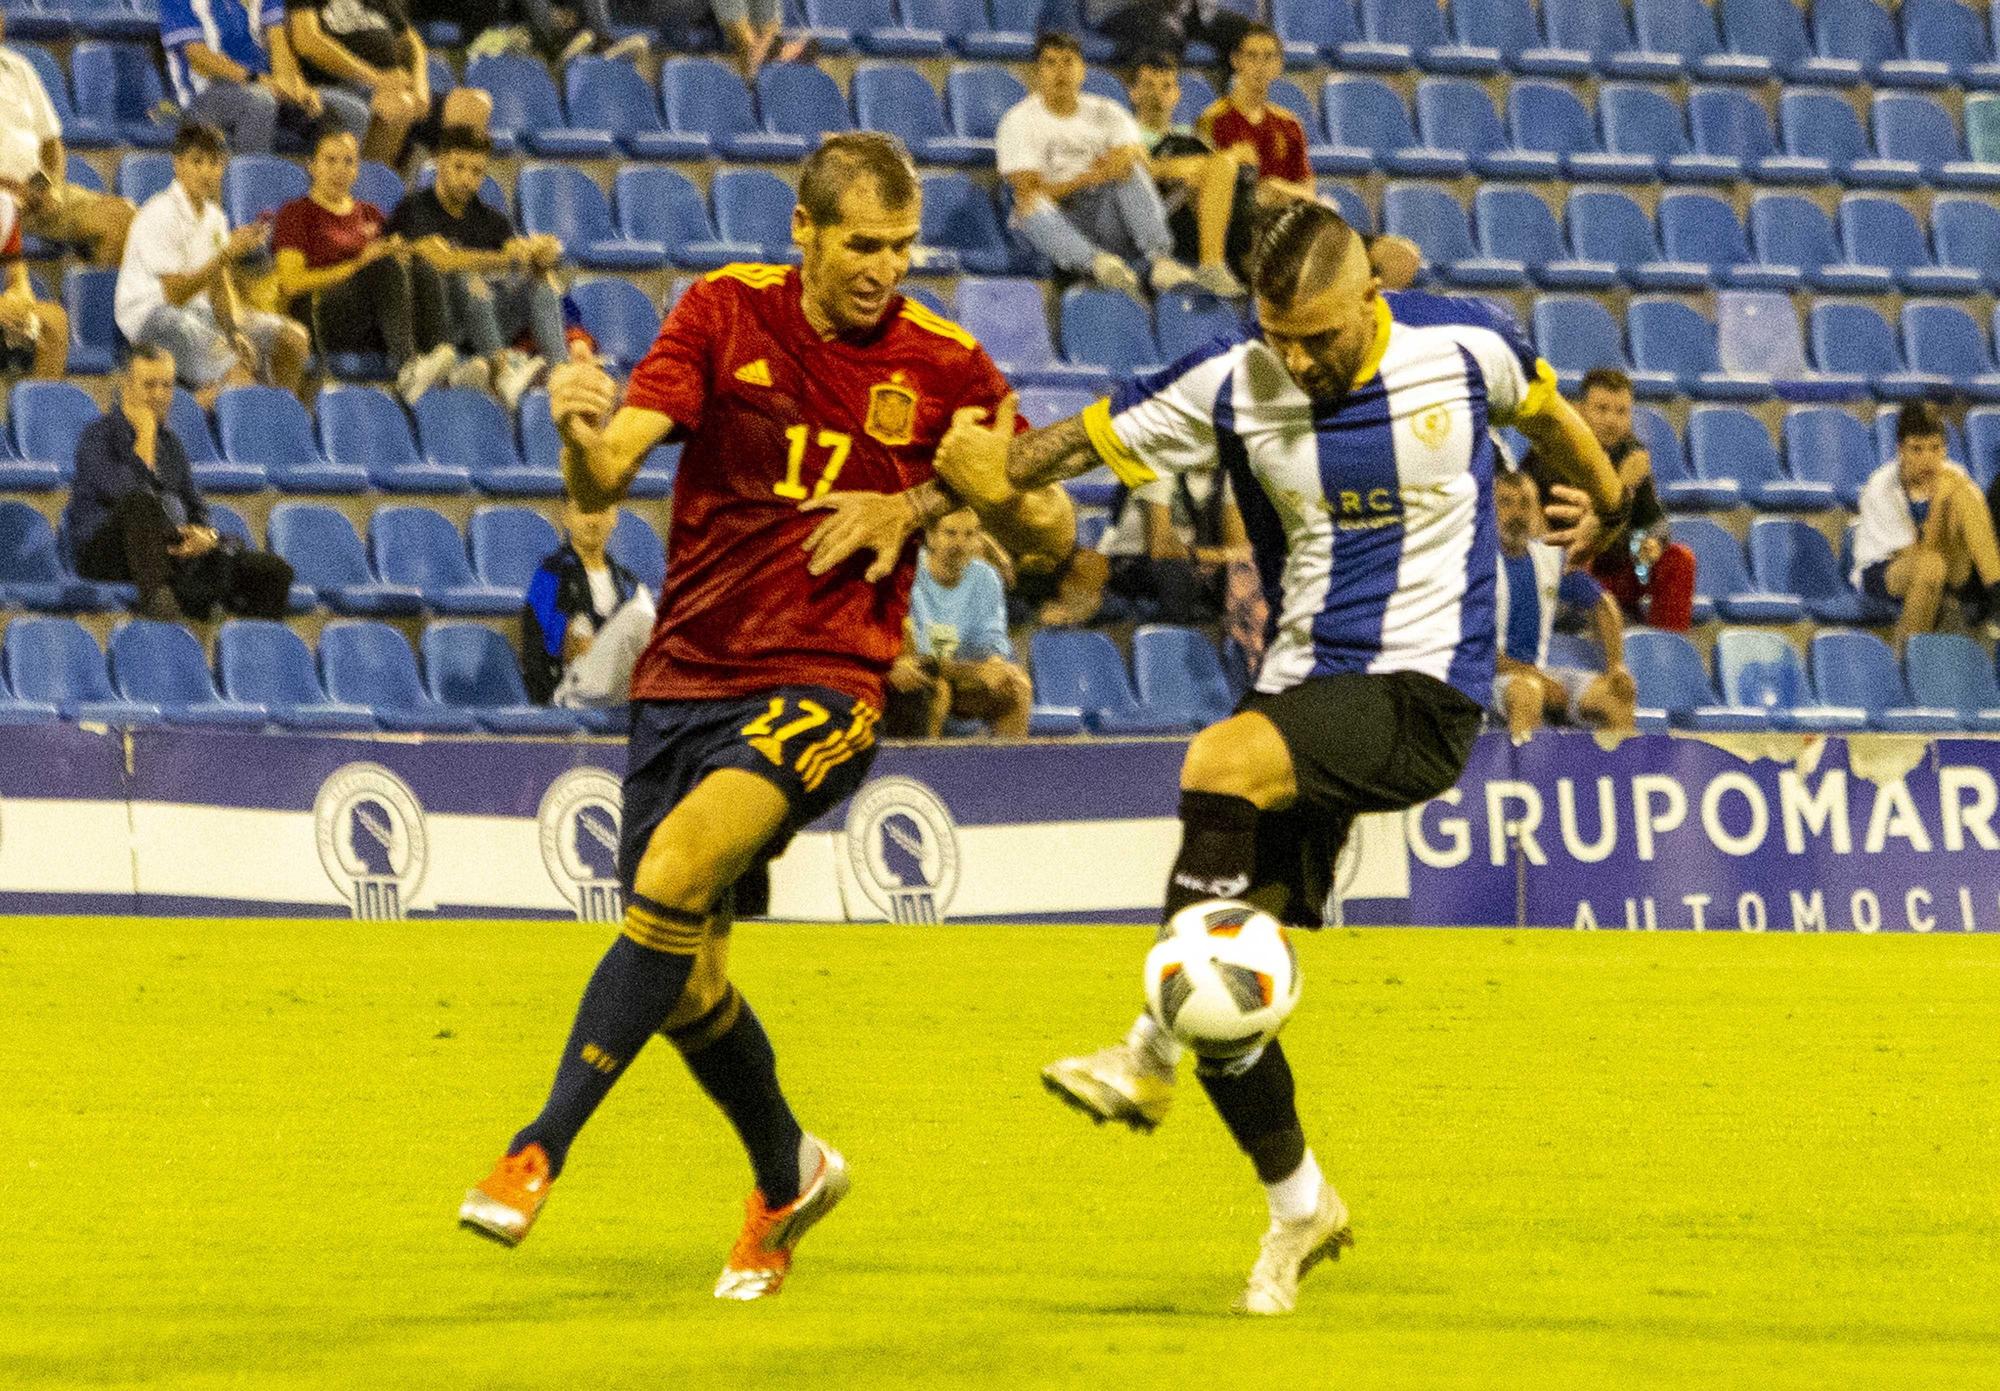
x=1163, y=422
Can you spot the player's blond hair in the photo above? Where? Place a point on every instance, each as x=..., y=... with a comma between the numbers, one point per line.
x=845, y=156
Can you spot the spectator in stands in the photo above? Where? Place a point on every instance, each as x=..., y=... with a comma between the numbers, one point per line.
x=957, y=659
x=1209, y=196
x=371, y=48
x=1165, y=557
x=1155, y=26
x=340, y=274
x=135, y=515
x=1925, y=531
x=56, y=209
x=1532, y=583
x=177, y=285
x=232, y=66
x=755, y=32
x=1246, y=126
x=582, y=604
x=1647, y=572
x=497, y=285
x=34, y=335
x=1076, y=164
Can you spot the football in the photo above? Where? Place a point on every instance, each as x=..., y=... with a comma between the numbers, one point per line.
x=1222, y=977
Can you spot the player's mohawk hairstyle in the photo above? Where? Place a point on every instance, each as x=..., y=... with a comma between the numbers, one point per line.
x=847, y=156
x=1297, y=251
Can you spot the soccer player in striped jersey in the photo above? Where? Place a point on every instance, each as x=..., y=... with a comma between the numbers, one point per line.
x=1353, y=427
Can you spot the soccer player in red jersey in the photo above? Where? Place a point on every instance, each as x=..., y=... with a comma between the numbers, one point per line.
x=755, y=703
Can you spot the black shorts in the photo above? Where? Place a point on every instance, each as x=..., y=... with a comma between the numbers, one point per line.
x=812, y=744
x=1359, y=743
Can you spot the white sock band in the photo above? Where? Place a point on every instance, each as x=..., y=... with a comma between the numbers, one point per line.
x=1295, y=1197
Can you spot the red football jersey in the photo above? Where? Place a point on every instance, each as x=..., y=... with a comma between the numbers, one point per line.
x=772, y=414
x=1279, y=139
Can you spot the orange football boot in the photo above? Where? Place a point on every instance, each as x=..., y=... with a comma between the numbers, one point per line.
x=762, y=1256
x=505, y=1203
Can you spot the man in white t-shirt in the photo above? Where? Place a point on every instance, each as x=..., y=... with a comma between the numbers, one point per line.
x=56, y=209
x=1077, y=165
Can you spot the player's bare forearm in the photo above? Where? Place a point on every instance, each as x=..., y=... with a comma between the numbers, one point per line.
x=1611, y=632
x=1038, y=458
x=1564, y=442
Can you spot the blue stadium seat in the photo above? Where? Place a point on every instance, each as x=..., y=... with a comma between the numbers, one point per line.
x=635, y=545
x=1982, y=127
x=1080, y=669
x=1757, y=336
x=1702, y=229
x=1432, y=218
x=118, y=86
x=377, y=183
x=1313, y=31
x=113, y=19
x=53, y=661
x=977, y=97
x=526, y=110
x=468, y=432
x=662, y=206
x=1454, y=113
x=1673, y=337
x=1511, y=29
x=1289, y=95
x=1967, y=234
x=1369, y=127
x=266, y=428
x=1007, y=316
x=1547, y=116
x=541, y=452
x=94, y=339
x=1197, y=95
x=1420, y=26
x=1722, y=584
x=254, y=185
x=1885, y=435
x=1045, y=405
x=1775, y=30
x=212, y=472
x=1728, y=442
x=898, y=99
x=619, y=316
x=1982, y=445
x=470, y=667
x=1858, y=670
x=369, y=664
x=47, y=419
x=959, y=216
x=162, y=665
x=1792, y=557
x=1006, y=35
x=879, y=28
x=1820, y=124
x=1353, y=205
x=1575, y=334
x=701, y=95
x=1944, y=31
x=1685, y=29
x=414, y=546
x=1515, y=225
x=1914, y=127
x=612, y=95
x=267, y=664
x=1678, y=486
x=32, y=575
x=1864, y=31
x=1953, y=673
x=1107, y=330
x=1605, y=225
x=1672, y=682
x=1789, y=229
x=754, y=206
x=1887, y=234
x=1944, y=340
x=368, y=429
x=508, y=545
x=1180, y=674
x=1645, y=122
x=1730, y=124
x=1853, y=338
x=566, y=203
x=1826, y=444
x=801, y=99
x=326, y=555
x=229, y=522
x=1601, y=31
x=1763, y=671
x=1186, y=320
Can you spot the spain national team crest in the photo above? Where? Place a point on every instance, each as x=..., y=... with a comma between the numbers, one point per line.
x=892, y=412
x=578, y=820
x=1433, y=425
x=903, y=850
x=370, y=829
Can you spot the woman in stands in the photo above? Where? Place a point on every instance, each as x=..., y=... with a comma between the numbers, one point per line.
x=359, y=290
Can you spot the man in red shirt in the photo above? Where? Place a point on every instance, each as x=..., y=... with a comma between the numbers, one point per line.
x=755, y=703
x=1246, y=125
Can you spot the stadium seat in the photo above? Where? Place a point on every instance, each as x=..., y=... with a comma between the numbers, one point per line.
x=94, y=339
x=1006, y=35
x=1081, y=669
x=1792, y=557
x=612, y=95
x=565, y=203
x=367, y=428
x=1678, y=486
x=369, y=664
x=113, y=19
x=1702, y=229
x=264, y=427
x=1865, y=32
x=1185, y=320
x=1515, y=225
x=468, y=432
x=1432, y=218
x=1605, y=225
x=1789, y=229
x=635, y=545
x=415, y=547
x=1763, y=671
x=118, y=87
x=1645, y=122
x=1369, y=128
x=508, y=545
x=900, y=100
x=1601, y=31
x=959, y=217
x=1819, y=124
x=1943, y=340
x=32, y=575
x=212, y=472
x=1673, y=683
x=701, y=96
x=879, y=28
x=1420, y=26
x=1107, y=330
x=1887, y=233
x=662, y=206
x=755, y=206
x=1853, y=338
x=377, y=183
x=1967, y=234
x=254, y=186
x=801, y=99
x=1549, y=117
x=1008, y=317
x=1510, y=29
x=141, y=174
x=470, y=667
x=1947, y=32
x=1858, y=670
x=541, y=452
x=619, y=316
x=326, y=554
x=47, y=420
x=1575, y=333
x=1775, y=30
x=1757, y=335
x=1982, y=128
x=267, y=664
x=53, y=661
x=1827, y=445
x=1179, y=674
x=977, y=97
x=1454, y=113
x=527, y=112
x=1982, y=443
x=1951, y=672
x=1728, y=442
x=1685, y=29
x=1045, y=405
x=1316, y=31
x=1730, y=124
x=161, y=664
x=1722, y=580
x=1885, y=435
x=1914, y=127
x=1672, y=337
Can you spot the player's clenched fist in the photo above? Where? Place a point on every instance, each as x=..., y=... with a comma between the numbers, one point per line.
x=581, y=393
x=972, y=456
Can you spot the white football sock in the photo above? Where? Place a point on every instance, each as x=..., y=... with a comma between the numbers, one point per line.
x=1153, y=1042
x=1296, y=1196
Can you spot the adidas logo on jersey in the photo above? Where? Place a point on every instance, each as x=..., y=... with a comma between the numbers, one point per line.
x=756, y=373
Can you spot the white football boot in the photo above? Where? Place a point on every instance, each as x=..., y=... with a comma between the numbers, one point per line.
x=1289, y=1250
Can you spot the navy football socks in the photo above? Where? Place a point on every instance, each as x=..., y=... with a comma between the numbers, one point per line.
x=1259, y=1107
x=1218, y=854
x=740, y=1071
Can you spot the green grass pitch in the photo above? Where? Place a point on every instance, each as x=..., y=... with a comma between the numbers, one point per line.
x=232, y=1154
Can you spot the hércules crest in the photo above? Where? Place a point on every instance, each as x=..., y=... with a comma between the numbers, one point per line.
x=1433, y=425
x=892, y=412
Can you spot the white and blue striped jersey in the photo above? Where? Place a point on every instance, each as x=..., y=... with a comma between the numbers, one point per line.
x=233, y=28
x=1372, y=519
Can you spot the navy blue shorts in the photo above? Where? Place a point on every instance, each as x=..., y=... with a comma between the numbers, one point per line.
x=1875, y=581
x=812, y=744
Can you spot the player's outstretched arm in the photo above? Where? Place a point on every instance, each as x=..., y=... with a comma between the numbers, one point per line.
x=1565, y=443
x=599, y=457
